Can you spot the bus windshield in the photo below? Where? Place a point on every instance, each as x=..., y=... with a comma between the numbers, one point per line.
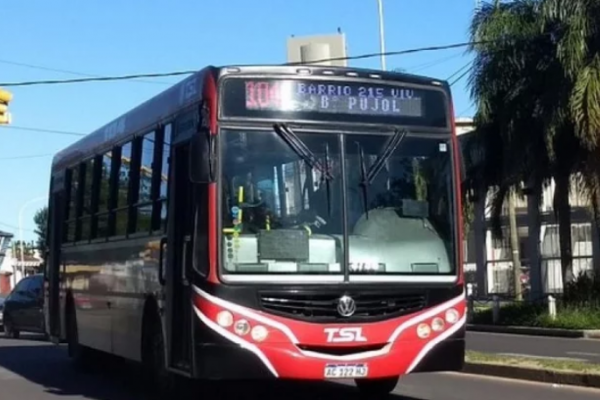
x=401, y=221
x=282, y=214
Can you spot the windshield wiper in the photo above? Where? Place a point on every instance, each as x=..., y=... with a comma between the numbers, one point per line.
x=388, y=150
x=367, y=177
x=296, y=144
x=363, y=179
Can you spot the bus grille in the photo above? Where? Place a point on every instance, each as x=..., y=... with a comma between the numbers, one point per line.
x=319, y=306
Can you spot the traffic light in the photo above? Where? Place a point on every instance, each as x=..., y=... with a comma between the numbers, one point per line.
x=5, y=98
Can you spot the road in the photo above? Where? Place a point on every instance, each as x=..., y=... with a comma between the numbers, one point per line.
x=36, y=370
x=539, y=346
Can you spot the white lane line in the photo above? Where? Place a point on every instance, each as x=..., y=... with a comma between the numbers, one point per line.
x=584, y=354
x=520, y=355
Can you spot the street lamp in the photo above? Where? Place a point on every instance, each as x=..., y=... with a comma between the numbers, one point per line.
x=381, y=34
x=23, y=207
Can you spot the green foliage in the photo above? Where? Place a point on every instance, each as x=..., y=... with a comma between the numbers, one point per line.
x=41, y=221
x=578, y=309
x=536, y=83
x=584, y=291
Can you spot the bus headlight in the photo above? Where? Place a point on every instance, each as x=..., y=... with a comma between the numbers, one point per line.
x=423, y=331
x=225, y=319
x=438, y=324
x=452, y=316
x=259, y=333
x=241, y=327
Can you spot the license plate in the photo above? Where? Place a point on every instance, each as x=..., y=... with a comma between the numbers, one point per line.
x=341, y=371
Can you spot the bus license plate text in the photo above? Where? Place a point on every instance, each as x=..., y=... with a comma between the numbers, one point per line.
x=342, y=371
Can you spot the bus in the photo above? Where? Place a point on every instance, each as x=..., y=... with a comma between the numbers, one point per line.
x=291, y=222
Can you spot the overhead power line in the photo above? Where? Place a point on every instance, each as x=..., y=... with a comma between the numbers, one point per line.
x=433, y=63
x=178, y=73
x=461, y=76
x=58, y=132
x=66, y=71
x=26, y=157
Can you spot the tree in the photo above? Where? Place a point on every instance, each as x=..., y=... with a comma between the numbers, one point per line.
x=41, y=222
x=524, y=122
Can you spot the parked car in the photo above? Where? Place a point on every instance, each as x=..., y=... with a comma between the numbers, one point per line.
x=24, y=307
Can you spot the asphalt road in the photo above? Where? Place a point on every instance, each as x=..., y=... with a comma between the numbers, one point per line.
x=35, y=370
x=538, y=346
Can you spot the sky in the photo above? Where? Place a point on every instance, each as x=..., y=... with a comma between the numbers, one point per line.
x=66, y=39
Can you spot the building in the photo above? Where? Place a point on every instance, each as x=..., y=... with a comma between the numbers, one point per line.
x=5, y=265
x=314, y=49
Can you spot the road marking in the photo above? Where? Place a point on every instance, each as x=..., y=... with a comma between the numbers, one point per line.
x=519, y=355
x=584, y=354
x=521, y=382
x=523, y=336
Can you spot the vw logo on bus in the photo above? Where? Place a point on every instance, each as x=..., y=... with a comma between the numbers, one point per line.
x=346, y=306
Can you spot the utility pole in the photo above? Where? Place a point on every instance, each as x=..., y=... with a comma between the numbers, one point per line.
x=381, y=35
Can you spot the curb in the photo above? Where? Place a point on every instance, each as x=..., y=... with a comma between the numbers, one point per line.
x=533, y=375
x=531, y=331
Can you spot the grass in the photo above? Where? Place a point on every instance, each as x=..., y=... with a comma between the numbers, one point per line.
x=537, y=316
x=554, y=365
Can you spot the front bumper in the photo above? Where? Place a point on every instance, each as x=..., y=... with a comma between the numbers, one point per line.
x=299, y=350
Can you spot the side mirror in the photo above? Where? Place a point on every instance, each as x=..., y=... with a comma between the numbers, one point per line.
x=202, y=157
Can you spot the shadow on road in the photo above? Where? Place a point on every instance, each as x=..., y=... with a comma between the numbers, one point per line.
x=47, y=365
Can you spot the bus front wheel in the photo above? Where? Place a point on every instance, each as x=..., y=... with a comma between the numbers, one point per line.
x=376, y=387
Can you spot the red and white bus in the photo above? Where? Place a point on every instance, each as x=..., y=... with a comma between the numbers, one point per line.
x=298, y=222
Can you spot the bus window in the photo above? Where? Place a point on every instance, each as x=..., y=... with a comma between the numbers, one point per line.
x=164, y=177
x=122, y=212
x=104, y=195
x=72, y=209
x=86, y=210
x=144, y=207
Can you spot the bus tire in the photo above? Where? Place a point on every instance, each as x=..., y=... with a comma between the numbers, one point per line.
x=379, y=387
x=80, y=355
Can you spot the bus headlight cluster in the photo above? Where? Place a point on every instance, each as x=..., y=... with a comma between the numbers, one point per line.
x=452, y=316
x=225, y=319
x=438, y=324
x=242, y=327
x=423, y=331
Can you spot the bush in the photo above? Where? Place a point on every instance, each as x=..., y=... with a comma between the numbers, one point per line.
x=535, y=315
x=583, y=291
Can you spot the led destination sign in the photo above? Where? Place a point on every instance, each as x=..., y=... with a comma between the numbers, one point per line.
x=334, y=101
x=332, y=98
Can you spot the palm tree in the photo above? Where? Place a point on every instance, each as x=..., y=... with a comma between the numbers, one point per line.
x=578, y=50
x=523, y=121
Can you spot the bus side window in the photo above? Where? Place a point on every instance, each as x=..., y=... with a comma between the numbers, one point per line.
x=142, y=198
x=71, y=215
x=86, y=207
x=165, y=153
x=122, y=203
x=104, y=191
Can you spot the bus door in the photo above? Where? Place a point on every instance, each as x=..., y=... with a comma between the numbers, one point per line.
x=52, y=301
x=179, y=260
